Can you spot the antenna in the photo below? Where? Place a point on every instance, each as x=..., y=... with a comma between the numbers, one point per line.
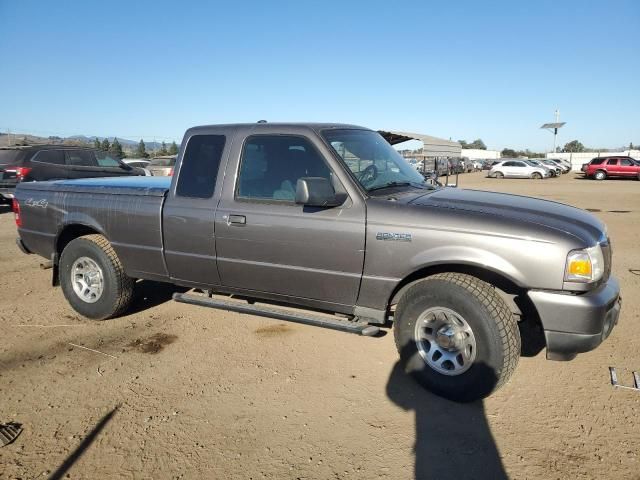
x=553, y=127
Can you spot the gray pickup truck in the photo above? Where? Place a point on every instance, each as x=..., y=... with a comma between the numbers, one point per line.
x=326, y=224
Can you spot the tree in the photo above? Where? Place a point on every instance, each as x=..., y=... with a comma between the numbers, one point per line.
x=478, y=144
x=116, y=149
x=163, y=149
x=508, y=153
x=141, y=151
x=173, y=149
x=573, y=146
x=97, y=144
x=105, y=145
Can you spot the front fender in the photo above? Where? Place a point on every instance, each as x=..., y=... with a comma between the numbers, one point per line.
x=464, y=255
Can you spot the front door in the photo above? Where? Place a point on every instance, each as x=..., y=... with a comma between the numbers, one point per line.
x=267, y=243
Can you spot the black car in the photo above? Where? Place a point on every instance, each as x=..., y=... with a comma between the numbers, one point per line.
x=55, y=162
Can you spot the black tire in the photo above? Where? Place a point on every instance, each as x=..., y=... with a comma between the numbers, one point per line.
x=499, y=175
x=536, y=176
x=600, y=175
x=495, y=330
x=117, y=292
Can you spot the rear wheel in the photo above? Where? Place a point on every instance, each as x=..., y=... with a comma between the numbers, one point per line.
x=536, y=176
x=499, y=175
x=456, y=336
x=93, y=279
x=600, y=175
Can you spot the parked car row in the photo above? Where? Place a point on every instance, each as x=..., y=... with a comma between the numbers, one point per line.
x=539, y=168
x=59, y=162
x=601, y=168
x=56, y=162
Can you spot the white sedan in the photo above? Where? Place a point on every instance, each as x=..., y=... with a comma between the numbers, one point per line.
x=517, y=169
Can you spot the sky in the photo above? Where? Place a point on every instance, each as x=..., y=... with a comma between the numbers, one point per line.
x=495, y=70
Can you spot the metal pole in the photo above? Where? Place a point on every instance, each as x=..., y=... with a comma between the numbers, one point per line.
x=555, y=131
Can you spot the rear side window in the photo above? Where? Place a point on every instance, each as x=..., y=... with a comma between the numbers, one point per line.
x=597, y=161
x=55, y=157
x=80, y=158
x=626, y=162
x=612, y=161
x=272, y=164
x=200, y=164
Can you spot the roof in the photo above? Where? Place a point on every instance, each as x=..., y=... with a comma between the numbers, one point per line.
x=46, y=147
x=433, y=146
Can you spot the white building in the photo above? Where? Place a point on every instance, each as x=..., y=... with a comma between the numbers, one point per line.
x=477, y=154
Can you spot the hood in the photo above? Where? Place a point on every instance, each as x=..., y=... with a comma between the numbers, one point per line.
x=519, y=209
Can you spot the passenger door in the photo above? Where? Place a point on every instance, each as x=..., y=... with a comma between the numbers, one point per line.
x=613, y=170
x=189, y=211
x=267, y=243
x=627, y=168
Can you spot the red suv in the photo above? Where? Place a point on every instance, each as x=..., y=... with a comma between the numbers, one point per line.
x=603, y=167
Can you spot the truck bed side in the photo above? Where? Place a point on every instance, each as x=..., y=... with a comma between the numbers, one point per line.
x=126, y=211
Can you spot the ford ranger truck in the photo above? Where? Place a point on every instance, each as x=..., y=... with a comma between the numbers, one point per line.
x=330, y=219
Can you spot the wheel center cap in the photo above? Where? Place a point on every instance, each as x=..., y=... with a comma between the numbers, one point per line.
x=448, y=337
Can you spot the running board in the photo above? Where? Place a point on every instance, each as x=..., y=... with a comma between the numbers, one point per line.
x=271, y=312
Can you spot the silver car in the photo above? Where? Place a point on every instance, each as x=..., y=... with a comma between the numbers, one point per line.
x=162, y=166
x=517, y=169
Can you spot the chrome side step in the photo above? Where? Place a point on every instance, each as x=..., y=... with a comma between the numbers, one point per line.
x=280, y=314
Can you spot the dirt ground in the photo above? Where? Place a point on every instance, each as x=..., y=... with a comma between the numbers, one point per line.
x=185, y=392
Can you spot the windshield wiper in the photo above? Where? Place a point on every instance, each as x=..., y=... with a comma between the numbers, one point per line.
x=395, y=184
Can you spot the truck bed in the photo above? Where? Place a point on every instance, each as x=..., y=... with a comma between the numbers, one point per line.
x=127, y=210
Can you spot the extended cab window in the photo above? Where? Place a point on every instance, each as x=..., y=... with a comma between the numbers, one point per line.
x=49, y=156
x=272, y=164
x=199, y=167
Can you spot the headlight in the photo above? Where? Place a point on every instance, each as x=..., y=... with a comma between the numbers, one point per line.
x=584, y=266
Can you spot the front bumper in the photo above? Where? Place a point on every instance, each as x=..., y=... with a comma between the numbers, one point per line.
x=577, y=323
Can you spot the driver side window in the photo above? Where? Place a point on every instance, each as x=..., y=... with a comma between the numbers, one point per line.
x=272, y=164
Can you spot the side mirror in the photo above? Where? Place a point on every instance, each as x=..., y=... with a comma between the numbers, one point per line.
x=316, y=192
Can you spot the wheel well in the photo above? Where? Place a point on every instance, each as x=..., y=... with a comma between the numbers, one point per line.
x=499, y=281
x=530, y=325
x=71, y=232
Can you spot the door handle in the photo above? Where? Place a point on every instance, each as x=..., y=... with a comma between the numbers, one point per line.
x=237, y=220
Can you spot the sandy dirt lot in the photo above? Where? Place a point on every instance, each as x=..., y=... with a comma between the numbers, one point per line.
x=185, y=392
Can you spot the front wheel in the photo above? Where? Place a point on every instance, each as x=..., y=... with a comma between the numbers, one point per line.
x=93, y=279
x=499, y=175
x=600, y=175
x=536, y=176
x=456, y=336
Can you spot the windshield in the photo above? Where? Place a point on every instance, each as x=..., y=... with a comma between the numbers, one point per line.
x=375, y=163
x=106, y=160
